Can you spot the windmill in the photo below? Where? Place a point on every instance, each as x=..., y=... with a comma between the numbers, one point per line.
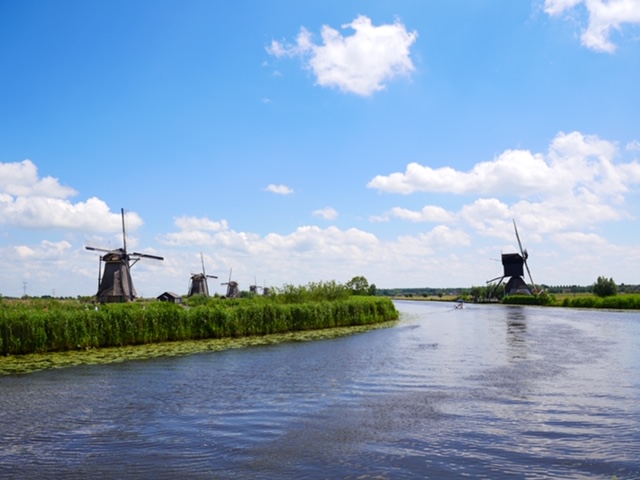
x=255, y=287
x=199, y=284
x=232, y=287
x=513, y=267
x=115, y=284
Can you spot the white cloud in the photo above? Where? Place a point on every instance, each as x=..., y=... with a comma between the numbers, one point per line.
x=633, y=146
x=361, y=63
x=514, y=171
x=581, y=240
x=429, y=213
x=28, y=201
x=22, y=180
x=193, y=231
x=327, y=213
x=556, y=7
x=604, y=16
x=279, y=189
x=576, y=164
x=575, y=186
x=46, y=250
x=194, y=223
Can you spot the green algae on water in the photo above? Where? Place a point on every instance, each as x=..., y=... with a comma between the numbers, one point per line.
x=29, y=363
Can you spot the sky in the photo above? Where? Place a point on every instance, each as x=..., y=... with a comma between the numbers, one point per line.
x=292, y=142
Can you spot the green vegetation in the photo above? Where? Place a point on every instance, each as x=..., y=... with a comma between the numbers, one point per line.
x=605, y=287
x=28, y=326
x=602, y=294
x=627, y=301
x=360, y=286
x=617, y=302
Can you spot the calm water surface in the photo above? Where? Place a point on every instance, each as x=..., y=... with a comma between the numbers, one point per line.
x=482, y=392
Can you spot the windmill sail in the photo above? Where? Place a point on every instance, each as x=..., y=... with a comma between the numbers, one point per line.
x=525, y=256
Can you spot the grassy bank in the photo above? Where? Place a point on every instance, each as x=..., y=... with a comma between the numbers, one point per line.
x=626, y=301
x=40, y=326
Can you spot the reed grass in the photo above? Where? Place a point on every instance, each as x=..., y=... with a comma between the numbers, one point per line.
x=626, y=301
x=38, y=327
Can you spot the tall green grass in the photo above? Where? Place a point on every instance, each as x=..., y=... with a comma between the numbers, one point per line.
x=39, y=327
x=616, y=302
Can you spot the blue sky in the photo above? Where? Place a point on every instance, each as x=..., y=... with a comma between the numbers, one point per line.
x=297, y=142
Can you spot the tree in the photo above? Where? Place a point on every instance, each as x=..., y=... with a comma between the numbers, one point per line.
x=605, y=287
x=358, y=285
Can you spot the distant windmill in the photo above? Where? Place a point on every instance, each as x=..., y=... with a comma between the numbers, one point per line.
x=232, y=287
x=255, y=287
x=199, y=284
x=513, y=267
x=115, y=285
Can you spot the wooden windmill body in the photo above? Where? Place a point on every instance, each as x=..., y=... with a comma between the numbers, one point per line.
x=233, y=290
x=115, y=283
x=199, y=285
x=255, y=287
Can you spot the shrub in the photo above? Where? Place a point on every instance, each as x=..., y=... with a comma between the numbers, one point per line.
x=605, y=287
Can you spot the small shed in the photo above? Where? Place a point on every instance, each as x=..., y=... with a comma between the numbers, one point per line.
x=170, y=297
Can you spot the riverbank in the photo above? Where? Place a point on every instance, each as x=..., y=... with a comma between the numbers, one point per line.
x=41, y=327
x=624, y=301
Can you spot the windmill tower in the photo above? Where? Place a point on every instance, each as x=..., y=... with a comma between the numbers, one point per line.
x=115, y=284
x=199, y=284
x=513, y=265
x=232, y=287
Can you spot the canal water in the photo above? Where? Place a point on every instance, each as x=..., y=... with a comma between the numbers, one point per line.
x=480, y=392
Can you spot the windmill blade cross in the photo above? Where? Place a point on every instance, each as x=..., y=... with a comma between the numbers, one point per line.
x=124, y=236
x=494, y=279
x=146, y=255
x=99, y=249
x=518, y=237
x=525, y=255
x=530, y=277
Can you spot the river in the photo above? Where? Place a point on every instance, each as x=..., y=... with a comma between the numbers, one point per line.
x=480, y=392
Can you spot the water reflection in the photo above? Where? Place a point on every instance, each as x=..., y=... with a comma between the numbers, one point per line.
x=516, y=334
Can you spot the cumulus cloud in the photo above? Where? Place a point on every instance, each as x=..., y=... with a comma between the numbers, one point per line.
x=575, y=162
x=194, y=223
x=604, y=17
x=41, y=212
x=21, y=179
x=576, y=184
x=45, y=250
x=194, y=231
x=633, y=146
x=279, y=189
x=29, y=201
x=429, y=213
x=361, y=63
x=327, y=213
